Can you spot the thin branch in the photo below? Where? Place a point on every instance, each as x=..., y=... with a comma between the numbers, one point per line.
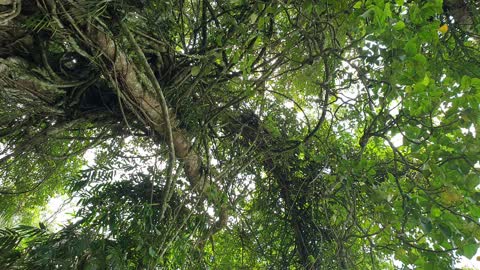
x=163, y=105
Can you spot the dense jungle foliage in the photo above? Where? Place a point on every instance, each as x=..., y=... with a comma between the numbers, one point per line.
x=239, y=134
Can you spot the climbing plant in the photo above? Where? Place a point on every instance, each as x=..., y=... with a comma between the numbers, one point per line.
x=240, y=134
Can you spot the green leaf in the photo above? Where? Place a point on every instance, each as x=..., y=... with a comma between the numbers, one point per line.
x=399, y=26
x=472, y=181
x=435, y=212
x=465, y=82
x=476, y=83
x=308, y=6
x=253, y=17
x=421, y=59
x=261, y=22
x=387, y=11
x=445, y=230
x=426, y=224
x=358, y=5
x=411, y=47
x=152, y=252
x=426, y=80
x=415, y=14
x=379, y=16
x=195, y=70
x=470, y=250
x=429, y=266
x=368, y=13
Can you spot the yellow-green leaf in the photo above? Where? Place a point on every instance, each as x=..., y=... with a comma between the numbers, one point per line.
x=195, y=70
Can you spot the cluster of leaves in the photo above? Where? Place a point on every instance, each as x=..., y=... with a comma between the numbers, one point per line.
x=343, y=135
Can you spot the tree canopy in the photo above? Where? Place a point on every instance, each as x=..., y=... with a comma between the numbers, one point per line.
x=237, y=134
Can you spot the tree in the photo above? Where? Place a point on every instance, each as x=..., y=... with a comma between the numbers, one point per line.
x=240, y=134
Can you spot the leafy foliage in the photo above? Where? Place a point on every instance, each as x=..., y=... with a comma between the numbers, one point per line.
x=307, y=134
